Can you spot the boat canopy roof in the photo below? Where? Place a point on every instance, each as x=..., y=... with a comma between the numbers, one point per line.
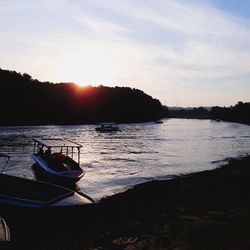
x=57, y=142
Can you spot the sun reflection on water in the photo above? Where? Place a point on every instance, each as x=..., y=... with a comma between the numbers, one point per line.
x=134, y=154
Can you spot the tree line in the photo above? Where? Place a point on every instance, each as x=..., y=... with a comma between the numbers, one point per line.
x=27, y=101
x=189, y=113
x=238, y=113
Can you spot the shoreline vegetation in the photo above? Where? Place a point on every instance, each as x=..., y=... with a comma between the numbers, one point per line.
x=204, y=210
x=27, y=101
x=239, y=113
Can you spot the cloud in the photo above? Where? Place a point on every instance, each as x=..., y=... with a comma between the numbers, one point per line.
x=102, y=28
x=167, y=48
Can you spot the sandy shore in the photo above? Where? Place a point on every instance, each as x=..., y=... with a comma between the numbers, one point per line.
x=206, y=210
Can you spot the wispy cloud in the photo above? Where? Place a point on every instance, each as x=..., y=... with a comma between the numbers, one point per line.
x=102, y=28
x=188, y=49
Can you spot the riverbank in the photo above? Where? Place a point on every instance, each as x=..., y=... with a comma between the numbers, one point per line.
x=206, y=210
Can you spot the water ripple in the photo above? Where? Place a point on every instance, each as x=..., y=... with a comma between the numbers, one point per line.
x=135, y=154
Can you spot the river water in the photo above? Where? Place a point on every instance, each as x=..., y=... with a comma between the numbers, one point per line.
x=136, y=153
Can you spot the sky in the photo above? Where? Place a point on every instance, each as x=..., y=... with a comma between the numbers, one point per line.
x=183, y=52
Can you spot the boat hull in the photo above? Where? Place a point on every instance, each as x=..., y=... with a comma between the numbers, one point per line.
x=20, y=192
x=70, y=176
x=106, y=129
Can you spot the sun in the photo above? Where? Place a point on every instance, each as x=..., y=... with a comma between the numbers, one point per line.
x=88, y=68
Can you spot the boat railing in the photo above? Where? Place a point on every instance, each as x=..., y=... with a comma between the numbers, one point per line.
x=63, y=149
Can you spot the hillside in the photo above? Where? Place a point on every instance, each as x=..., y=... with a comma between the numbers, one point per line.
x=27, y=101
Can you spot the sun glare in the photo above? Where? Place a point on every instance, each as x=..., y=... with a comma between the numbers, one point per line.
x=93, y=67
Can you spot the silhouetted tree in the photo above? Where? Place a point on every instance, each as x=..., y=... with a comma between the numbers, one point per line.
x=28, y=101
x=238, y=113
x=199, y=113
x=27, y=77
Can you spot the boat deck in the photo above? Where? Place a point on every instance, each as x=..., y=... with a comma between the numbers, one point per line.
x=24, y=189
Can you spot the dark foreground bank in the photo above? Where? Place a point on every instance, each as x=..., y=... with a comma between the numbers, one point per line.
x=206, y=210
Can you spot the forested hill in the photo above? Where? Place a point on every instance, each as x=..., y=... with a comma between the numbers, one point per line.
x=25, y=101
x=238, y=113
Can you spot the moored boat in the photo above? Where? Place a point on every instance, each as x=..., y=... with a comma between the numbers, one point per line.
x=20, y=192
x=106, y=127
x=55, y=157
x=23, y=192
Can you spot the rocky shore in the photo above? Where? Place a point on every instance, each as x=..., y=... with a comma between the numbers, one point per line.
x=205, y=210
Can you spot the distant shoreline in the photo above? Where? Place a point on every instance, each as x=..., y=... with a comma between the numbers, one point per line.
x=79, y=124
x=132, y=122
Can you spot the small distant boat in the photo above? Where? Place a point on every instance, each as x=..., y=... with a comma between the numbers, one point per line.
x=158, y=121
x=58, y=164
x=106, y=127
x=21, y=192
